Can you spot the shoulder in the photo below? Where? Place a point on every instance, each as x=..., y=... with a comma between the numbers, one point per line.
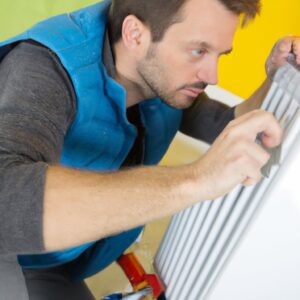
x=31, y=58
x=32, y=76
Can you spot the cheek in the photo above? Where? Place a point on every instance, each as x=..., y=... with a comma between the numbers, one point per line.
x=178, y=69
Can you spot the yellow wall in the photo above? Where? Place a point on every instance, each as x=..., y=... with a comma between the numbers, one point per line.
x=241, y=72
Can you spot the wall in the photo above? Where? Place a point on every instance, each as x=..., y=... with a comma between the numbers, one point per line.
x=251, y=47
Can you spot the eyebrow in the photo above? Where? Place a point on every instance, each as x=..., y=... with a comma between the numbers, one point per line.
x=209, y=47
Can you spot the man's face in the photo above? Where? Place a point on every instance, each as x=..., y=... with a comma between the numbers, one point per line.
x=178, y=68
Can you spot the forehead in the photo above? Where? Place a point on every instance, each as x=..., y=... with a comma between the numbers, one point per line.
x=204, y=21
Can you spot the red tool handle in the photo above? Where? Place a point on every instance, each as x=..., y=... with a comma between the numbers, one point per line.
x=137, y=275
x=132, y=268
x=157, y=286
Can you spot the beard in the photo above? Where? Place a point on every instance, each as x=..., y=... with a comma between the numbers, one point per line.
x=156, y=82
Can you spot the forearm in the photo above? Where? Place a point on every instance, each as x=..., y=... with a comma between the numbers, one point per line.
x=278, y=57
x=82, y=206
x=206, y=119
x=255, y=100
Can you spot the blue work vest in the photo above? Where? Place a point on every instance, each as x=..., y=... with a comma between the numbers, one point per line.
x=100, y=136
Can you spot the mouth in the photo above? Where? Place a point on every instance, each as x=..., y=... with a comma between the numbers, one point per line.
x=192, y=92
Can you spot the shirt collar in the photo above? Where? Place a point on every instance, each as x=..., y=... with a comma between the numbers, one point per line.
x=108, y=58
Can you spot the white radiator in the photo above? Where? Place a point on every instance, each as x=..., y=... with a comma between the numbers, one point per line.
x=245, y=245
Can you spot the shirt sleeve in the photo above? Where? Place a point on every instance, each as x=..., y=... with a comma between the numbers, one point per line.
x=206, y=119
x=37, y=105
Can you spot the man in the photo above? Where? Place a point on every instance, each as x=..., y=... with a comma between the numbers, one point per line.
x=85, y=94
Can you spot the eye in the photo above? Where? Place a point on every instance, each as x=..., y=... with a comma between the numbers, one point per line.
x=197, y=52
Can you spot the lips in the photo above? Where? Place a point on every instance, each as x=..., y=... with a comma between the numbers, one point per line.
x=192, y=92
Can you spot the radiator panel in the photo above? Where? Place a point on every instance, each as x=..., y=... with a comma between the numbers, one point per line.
x=201, y=239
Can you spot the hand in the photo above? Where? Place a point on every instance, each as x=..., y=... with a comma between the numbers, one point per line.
x=235, y=157
x=280, y=52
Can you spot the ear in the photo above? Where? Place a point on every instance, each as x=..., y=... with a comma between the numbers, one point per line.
x=133, y=31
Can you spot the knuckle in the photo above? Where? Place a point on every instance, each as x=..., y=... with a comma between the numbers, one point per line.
x=258, y=177
x=231, y=133
x=243, y=159
x=269, y=116
x=258, y=111
x=296, y=41
x=266, y=115
x=231, y=124
x=266, y=157
x=283, y=47
x=284, y=44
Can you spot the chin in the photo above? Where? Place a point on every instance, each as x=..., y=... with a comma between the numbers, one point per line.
x=183, y=103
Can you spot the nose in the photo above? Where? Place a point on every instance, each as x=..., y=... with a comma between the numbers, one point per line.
x=208, y=72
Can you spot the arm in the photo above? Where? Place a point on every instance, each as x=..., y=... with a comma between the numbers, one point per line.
x=277, y=58
x=35, y=112
x=206, y=118
x=94, y=205
x=254, y=101
x=70, y=207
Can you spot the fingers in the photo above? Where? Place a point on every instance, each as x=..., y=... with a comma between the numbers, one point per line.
x=249, y=156
x=253, y=123
x=280, y=53
x=296, y=49
x=235, y=157
x=285, y=45
x=256, y=159
x=282, y=50
x=258, y=154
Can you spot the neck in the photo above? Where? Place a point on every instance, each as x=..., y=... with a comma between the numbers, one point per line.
x=134, y=93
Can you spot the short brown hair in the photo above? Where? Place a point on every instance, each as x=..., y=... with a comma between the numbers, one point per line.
x=160, y=15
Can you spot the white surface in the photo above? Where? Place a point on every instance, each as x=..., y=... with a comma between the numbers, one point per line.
x=266, y=263
x=217, y=93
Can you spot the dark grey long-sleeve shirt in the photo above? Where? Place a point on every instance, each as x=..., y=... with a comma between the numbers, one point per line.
x=37, y=105
x=36, y=108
